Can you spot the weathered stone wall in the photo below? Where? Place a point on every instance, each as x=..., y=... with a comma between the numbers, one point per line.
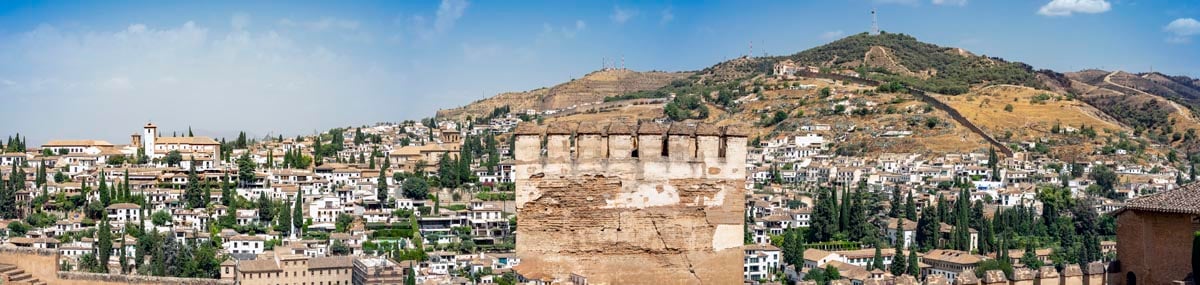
x=117, y=279
x=43, y=265
x=631, y=204
x=1155, y=248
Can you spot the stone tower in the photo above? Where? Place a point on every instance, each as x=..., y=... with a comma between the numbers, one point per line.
x=630, y=204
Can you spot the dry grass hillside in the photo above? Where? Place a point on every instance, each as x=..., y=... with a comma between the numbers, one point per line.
x=1033, y=113
x=1125, y=97
x=593, y=87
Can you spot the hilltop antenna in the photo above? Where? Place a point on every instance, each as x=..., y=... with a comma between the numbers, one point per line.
x=751, y=50
x=622, y=61
x=874, y=23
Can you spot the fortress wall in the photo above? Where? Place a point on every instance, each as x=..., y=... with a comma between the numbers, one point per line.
x=621, y=204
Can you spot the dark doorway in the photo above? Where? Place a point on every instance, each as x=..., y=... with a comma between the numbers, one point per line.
x=1130, y=278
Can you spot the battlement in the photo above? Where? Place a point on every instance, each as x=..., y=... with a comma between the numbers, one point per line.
x=564, y=142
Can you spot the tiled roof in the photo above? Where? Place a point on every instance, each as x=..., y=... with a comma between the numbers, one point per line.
x=331, y=262
x=1184, y=200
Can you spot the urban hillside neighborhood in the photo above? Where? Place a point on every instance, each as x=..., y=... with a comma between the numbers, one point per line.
x=876, y=159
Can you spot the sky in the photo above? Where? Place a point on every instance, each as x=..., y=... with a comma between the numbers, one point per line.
x=102, y=69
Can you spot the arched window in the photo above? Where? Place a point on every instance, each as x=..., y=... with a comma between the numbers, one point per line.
x=1130, y=278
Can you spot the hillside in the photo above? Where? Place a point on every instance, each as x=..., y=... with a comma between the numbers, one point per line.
x=1153, y=107
x=974, y=102
x=902, y=58
x=591, y=88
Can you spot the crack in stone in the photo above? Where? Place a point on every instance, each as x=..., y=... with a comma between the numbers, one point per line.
x=691, y=269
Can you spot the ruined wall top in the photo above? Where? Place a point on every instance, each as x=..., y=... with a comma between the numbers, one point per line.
x=622, y=140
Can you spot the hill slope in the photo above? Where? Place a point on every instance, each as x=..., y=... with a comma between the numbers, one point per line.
x=902, y=58
x=591, y=88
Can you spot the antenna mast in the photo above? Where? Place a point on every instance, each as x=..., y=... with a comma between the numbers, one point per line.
x=874, y=23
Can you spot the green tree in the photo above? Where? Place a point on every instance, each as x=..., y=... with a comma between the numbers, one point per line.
x=343, y=222
x=899, y=263
x=1030, y=258
x=877, y=261
x=105, y=195
x=410, y=277
x=104, y=245
x=194, y=194
x=1106, y=179
x=173, y=158
x=1196, y=255
x=245, y=168
x=298, y=215
x=381, y=190
x=914, y=266
x=824, y=219
x=415, y=188
x=264, y=207
x=160, y=218
x=831, y=273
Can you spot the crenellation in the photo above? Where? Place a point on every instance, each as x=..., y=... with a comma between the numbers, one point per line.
x=650, y=142
x=561, y=141
x=590, y=141
x=681, y=146
x=708, y=142
x=620, y=141
x=558, y=140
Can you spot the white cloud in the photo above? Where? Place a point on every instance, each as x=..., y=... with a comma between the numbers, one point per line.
x=950, y=2
x=240, y=20
x=1182, y=30
x=323, y=24
x=448, y=13
x=832, y=35
x=1068, y=7
x=620, y=16
x=174, y=75
x=667, y=16
x=553, y=34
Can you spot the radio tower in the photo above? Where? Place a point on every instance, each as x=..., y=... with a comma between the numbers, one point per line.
x=874, y=23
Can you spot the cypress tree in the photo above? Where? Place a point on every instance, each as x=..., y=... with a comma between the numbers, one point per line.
x=899, y=264
x=896, y=204
x=104, y=244
x=877, y=261
x=928, y=229
x=125, y=189
x=1196, y=255
x=914, y=267
x=910, y=208
x=844, y=213
x=105, y=196
x=381, y=190
x=824, y=220
x=298, y=214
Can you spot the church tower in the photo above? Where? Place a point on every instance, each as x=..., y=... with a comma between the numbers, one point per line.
x=150, y=131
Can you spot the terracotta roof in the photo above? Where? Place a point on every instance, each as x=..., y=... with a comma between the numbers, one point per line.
x=951, y=256
x=124, y=206
x=258, y=266
x=815, y=254
x=331, y=262
x=1184, y=200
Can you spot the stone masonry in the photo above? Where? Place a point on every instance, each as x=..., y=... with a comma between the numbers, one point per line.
x=630, y=204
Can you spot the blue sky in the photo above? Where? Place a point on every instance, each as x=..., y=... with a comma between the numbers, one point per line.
x=100, y=69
